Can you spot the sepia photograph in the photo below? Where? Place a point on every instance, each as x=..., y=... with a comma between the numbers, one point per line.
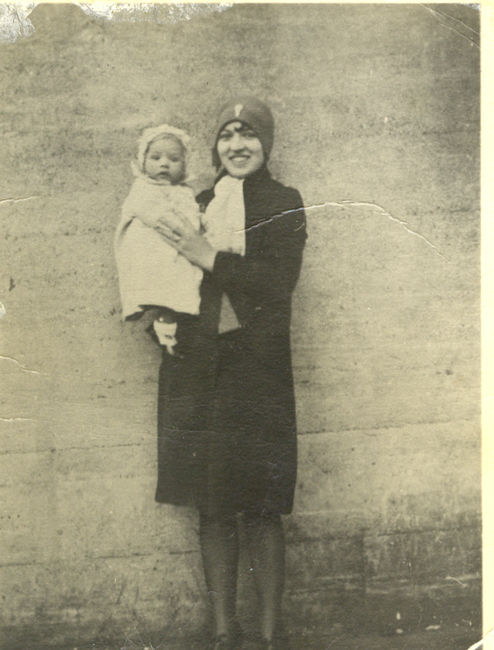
x=240, y=387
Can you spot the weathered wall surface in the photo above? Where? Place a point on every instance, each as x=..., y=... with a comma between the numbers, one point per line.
x=377, y=125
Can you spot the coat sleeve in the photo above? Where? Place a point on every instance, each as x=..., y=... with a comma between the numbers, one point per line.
x=272, y=269
x=126, y=217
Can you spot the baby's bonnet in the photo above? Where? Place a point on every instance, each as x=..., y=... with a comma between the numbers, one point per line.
x=150, y=135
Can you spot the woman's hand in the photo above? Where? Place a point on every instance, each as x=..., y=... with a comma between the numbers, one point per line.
x=189, y=243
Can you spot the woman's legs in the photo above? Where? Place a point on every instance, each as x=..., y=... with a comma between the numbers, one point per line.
x=266, y=543
x=218, y=537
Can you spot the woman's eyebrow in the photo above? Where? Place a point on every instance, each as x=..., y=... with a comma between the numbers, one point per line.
x=236, y=129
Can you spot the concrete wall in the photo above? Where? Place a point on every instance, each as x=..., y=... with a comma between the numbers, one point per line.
x=377, y=125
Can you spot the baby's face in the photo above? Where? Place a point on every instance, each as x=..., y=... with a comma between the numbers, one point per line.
x=165, y=161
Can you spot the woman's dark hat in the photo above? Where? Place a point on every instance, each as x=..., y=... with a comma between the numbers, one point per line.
x=251, y=111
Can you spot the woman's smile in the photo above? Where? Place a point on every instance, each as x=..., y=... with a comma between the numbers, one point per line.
x=240, y=159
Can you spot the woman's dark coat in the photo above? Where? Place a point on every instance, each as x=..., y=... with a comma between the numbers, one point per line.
x=226, y=421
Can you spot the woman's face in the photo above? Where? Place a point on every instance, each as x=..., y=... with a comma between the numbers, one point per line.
x=239, y=150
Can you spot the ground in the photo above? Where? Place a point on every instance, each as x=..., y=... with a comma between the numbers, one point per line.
x=458, y=638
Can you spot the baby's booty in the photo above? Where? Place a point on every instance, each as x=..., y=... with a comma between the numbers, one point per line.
x=166, y=334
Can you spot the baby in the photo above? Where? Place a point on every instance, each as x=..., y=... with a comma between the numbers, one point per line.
x=151, y=272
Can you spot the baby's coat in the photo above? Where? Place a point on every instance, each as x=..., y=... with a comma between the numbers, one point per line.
x=151, y=272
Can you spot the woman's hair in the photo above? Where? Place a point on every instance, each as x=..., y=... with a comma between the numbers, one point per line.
x=252, y=112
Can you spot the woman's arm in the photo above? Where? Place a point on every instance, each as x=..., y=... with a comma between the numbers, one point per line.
x=270, y=270
x=187, y=241
x=275, y=269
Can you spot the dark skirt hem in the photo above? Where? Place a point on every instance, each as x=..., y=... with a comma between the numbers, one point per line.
x=261, y=508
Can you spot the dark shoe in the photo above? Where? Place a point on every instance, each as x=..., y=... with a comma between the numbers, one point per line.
x=275, y=644
x=229, y=641
x=224, y=642
x=278, y=642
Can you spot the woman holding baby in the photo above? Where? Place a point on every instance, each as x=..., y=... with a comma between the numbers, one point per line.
x=226, y=420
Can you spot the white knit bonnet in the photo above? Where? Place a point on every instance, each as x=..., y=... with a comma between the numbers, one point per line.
x=155, y=133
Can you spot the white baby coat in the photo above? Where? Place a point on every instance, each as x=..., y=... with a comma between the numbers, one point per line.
x=150, y=271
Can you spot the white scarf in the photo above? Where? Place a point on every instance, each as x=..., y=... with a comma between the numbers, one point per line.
x=224, y=220
x=224, y=223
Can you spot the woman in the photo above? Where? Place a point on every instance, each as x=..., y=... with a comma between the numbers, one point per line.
x=227, y=435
